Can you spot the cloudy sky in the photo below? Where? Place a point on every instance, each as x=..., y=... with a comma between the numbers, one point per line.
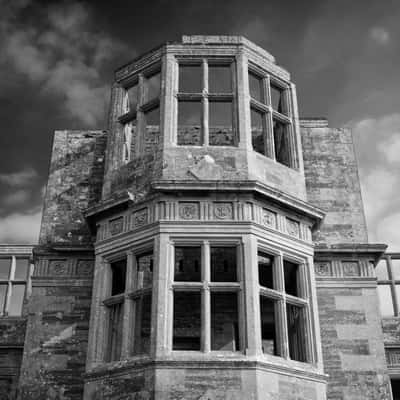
x=57, y=60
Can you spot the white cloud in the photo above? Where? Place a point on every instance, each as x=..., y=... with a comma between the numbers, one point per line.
x=391, y=148
x=17, y=198
x=20, y=178
x=379, y=35
x=20, y=228
x=388, y=231
x=63, y=53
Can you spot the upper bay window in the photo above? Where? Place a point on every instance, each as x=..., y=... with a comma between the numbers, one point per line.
x=271, y=119
x=206, y=103
x=141, y=113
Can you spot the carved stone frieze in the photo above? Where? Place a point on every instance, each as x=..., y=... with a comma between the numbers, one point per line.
x=223, y=210
x=140, y=218
x=350, y=268
x=58, y=267
x=189, y=210
x=116, y=225
x=322, y=269
x=268, y=218
x=292, y=227
x=85, y=267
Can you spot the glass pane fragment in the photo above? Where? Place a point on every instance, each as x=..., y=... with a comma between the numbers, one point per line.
x=256, y=88
x=224, y=322
x=21, y=268
x=144, y=264
x=190, y=79
x=266, y=270
x=223, y=264
x=257, y=132
x=268, y=326
x=291, y=273
x=115, y=332
x=187, y=321
x=189, y=123
x=16, y=300
x=5, y=266
x=278, y=99
x=188, y=264
x=219, y=79
x=221, y=124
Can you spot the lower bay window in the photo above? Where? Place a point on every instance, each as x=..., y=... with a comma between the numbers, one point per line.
x=284, y=307
x=206, y=297
x=130, y=300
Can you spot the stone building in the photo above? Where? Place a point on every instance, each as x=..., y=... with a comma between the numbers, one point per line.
x=210, y=245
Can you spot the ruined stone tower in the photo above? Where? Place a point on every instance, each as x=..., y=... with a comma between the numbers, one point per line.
x=209, y=245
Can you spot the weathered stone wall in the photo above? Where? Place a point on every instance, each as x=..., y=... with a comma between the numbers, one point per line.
x=57, y=331
x=351, y=331
x=75, y=179
x=332, y=182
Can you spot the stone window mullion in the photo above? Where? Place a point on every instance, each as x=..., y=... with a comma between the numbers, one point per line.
x=206, y=299
x=205, y=104
x=393, y=287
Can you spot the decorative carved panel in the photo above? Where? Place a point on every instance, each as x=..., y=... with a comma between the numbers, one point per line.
x=268, y=218
x=189, y=210
x=350, y=268
x=140, y=218
x=292, y=227
x=223, y=210
x=58, y=267
x=322, y=269
x=393, y=357
x=116, y=225
x=85, y=267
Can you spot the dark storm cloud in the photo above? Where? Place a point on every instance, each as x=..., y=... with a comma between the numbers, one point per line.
x=58, y=57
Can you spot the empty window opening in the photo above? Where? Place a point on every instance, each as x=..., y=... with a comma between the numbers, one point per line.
x=5, y=266
x=17, y=300
x=219, y=79
x=190, y=79
x=381, y=270
x=224, y=322
x=266, y=270
x=281, y=142
x=296, y=332
x=268, y=326
x=152, y=86
x=141, y=343
x=133, y=95
x=118, y=270
x=291, y=274
x=189, y=123
x=187, y=261
x=115, y=332
x=385, y=300
x=187, y=321
x=223, y=264
x=21, y=269
x=258, y=131
x=220, y=126
x=144, y=264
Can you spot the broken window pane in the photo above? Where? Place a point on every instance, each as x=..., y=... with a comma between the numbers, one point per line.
x=281, y=141
x=3, y=293
x=152, y=85
x=220, y=125
x=118, y=270
x=268, y=326
x=266, y=270
x=296, y=332
x=223, y=264
x=385, y=300
x=257, y=132
x=144, y=264
x=187, y=321
x=115, y=332
x=141, y=344
x=21, y=268
x=189, y=123
x=188, y=264
x=190, y=79
x=291, y=274
x=256, y=87
x=278, y=99
x=5, y=265
x=133, y=93
x=17, y=299
x=381, y=271
x=224, y=322
x=219, y=79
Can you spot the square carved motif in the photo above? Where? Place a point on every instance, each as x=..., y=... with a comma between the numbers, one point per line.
x=140, y=218
x=223, y=210
x=116, y=225
x=189, y=210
